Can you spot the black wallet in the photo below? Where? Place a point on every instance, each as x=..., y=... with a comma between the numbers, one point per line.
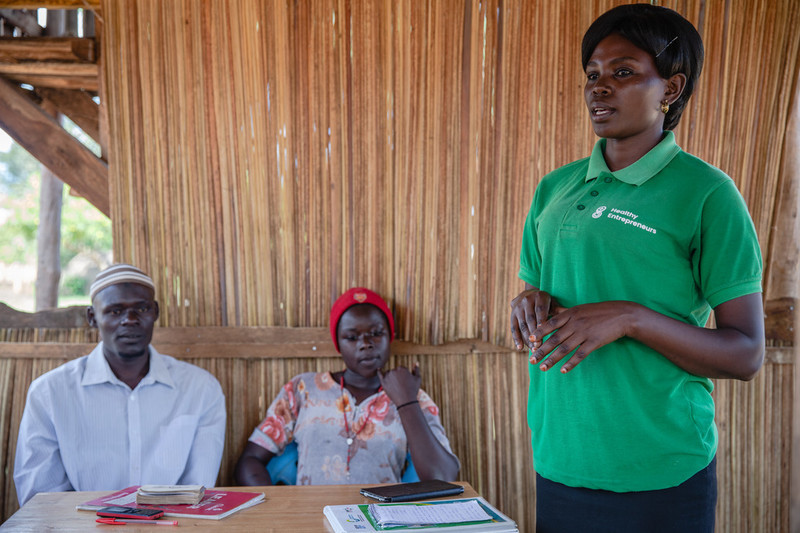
x=418, y=490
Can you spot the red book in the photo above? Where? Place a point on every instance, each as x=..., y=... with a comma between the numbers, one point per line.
x=216, y=504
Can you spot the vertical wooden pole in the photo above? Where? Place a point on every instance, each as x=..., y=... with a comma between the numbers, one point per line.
x=48, y=241
x=51, y=193
x=96, y=28
x=789, y=285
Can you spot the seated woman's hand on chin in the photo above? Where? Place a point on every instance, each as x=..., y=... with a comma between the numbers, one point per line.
x=347, y=423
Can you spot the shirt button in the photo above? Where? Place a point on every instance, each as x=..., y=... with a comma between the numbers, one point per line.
x=581, y=207
x=594, y=193
x=608, y=179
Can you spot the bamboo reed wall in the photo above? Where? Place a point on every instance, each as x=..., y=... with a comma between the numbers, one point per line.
x=265, y=155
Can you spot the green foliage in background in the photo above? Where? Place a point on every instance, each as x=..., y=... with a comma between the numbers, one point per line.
x=17, y=167
x=85, y=231
x=19, y=211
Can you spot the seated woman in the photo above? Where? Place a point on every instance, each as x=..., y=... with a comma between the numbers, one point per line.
x=353, y=426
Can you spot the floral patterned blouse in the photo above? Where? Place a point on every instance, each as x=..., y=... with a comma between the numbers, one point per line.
x=311, y=410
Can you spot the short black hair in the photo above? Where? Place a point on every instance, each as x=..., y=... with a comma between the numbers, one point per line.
x=673, y=42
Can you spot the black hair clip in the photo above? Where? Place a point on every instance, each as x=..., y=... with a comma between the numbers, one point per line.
x=669, y=43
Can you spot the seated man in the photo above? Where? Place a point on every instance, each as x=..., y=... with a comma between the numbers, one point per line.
x=124, y=414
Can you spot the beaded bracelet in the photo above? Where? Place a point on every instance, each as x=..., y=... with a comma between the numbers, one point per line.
x=407, y=403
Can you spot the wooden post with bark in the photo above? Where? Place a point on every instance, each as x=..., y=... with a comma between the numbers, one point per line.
x=51, y=193
x=785, y=279
x=48, y=240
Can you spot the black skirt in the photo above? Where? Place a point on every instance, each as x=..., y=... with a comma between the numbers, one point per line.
x=687, y=508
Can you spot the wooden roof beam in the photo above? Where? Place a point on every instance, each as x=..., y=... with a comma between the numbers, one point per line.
x=72, y=49
x=79, y=106
x=52, y=4
x=47, y=141
x=56, y=75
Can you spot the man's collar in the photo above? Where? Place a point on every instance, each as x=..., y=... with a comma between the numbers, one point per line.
x=98, y=370
x=642, y=170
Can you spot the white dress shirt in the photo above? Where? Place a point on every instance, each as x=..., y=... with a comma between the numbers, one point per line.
x=84, y=429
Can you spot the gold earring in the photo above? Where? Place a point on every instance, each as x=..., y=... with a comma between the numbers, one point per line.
x=664, y=107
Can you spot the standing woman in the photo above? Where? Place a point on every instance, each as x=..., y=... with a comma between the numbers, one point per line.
x=624, y=255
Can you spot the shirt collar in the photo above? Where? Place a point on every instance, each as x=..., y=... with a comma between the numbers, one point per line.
x=640, y=171
x=98, y=370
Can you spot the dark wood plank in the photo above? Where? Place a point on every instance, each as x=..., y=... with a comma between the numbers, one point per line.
x=232, y=350
x=241, y=335
x=50, y=68
x=67, y=317
x=243, y=342
x=779, y=320
x=85, y=83
x=44, y=350
x=70, y=49
x=78, y=106
x=53, y=4
x=46, y=140
x=270, y=343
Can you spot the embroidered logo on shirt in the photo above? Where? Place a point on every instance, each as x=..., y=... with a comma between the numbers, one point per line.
x=599, y=212
x=626, y=217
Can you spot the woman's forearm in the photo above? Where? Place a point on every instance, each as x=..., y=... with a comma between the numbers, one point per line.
x=431, y=459
x=734, y=349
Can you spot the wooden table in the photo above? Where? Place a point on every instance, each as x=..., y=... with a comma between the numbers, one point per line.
x=284, y=509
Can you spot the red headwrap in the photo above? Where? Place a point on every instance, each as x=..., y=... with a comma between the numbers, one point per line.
x=355, y=296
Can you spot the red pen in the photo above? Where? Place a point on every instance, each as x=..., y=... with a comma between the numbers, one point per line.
x=118, y=522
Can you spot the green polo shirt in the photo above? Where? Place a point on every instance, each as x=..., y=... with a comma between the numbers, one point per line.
x=672, y=233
